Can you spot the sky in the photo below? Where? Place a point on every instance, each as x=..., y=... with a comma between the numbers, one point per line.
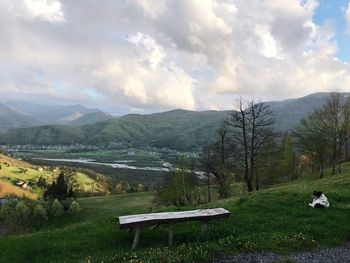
x=141, y=56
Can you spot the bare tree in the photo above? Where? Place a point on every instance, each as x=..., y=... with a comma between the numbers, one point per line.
x=252, y=124
x=335, y=117
x=216, y=159
x=313, y=141
x=206, y=161
x=324, y=134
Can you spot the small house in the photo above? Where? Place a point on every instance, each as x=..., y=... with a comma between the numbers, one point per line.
x=20, y=183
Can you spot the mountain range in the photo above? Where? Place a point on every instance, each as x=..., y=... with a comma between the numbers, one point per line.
x=176, y=129
x=10, y=118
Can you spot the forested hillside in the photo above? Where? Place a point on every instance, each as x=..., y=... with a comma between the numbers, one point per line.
x=177, y=129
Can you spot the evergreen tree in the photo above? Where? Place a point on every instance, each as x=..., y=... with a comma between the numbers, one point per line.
x=42, y=183
x=59, y=190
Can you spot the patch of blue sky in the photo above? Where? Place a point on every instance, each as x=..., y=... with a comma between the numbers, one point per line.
x=60, y=86
x=333, y=11
x=93, y=93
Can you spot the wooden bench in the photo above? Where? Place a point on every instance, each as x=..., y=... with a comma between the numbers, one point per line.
x=137, y=222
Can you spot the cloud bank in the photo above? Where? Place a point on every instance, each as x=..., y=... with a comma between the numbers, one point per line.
x=157, y=55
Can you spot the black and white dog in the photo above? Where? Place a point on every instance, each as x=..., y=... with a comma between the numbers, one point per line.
x=319, y=200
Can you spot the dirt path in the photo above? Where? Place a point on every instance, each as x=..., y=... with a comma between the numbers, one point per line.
x=339, y=254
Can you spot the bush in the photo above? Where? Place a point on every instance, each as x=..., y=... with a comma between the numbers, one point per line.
x=66, y=203
x=179, y=188
x=7, y=213
x=74, y=208
x=56, y=208
x=39, y=216
x=22, y=215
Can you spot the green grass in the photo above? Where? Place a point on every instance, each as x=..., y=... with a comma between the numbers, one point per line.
x=11, y=173
x=276, y=219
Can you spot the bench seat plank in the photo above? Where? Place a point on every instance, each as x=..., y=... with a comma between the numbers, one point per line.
x=171, y=217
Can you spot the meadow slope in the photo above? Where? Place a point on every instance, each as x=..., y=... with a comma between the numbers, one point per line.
x=11, y=173
x=276, y=219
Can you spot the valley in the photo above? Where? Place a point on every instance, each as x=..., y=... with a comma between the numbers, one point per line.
x=134, y=165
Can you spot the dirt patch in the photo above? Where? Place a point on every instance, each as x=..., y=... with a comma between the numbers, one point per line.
x=340, y=254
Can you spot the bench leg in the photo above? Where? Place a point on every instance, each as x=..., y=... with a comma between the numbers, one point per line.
x=205, y=226
x=136, y=238
x=171, y=235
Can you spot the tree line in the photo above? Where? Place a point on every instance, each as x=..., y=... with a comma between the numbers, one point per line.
x=248, y=149
x=324, y=136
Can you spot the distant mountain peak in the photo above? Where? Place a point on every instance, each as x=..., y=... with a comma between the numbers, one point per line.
x=10, y=118
x=53, y=114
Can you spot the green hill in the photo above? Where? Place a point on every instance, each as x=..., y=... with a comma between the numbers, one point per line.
x=276, y=219
x=13, y=171
x=178, y=129
x=44, y=135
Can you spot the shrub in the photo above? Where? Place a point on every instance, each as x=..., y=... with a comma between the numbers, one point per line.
x=22, y=215
x=74, y=208
x=7, y=213
x=66, y=203
x=56, y=208
x=39, y=216
x=179, y=188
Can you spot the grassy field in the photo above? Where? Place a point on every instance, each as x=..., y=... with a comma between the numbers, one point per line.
x=276, y=219
x=10, y=173
x=7, y=189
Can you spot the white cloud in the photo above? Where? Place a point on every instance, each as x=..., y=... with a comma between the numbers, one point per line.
x=152, y=8
x=268, y=46
x=156, y=55
x=47, y=10
x=166, y=86
x=150, y=51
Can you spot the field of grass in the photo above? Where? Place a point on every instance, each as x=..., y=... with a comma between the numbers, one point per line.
x=7, y=189
x=276, y=219
x=10, y=173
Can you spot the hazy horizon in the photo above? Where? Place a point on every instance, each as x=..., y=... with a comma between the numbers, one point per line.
x=8, y=102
